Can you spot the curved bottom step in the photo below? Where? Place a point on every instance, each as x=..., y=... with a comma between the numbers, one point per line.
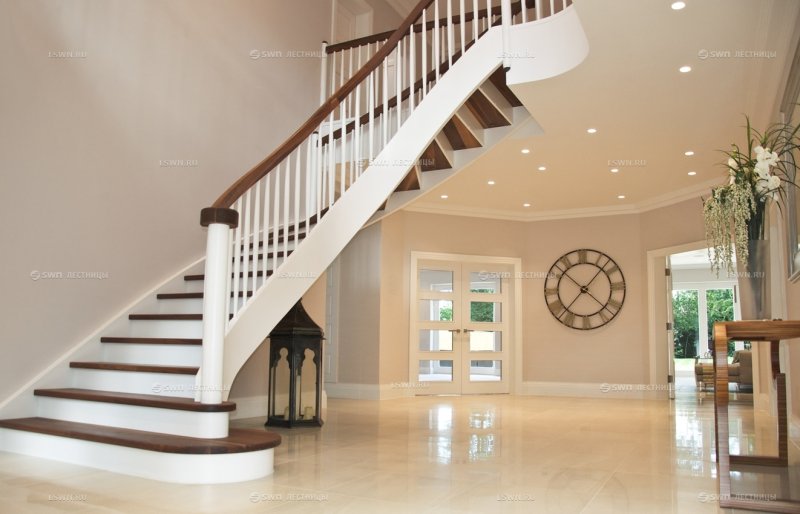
x=243, y=455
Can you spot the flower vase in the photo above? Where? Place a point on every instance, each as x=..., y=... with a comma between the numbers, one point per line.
x=754, y=281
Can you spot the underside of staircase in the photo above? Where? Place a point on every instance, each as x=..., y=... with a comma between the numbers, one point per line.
x=133, y=407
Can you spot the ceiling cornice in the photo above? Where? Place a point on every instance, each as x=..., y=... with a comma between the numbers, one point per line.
x=671, y=198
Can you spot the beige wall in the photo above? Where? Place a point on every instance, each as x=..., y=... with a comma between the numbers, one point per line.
x=81, y=186
x=359, y=308
x=617, y=353
x=253, y=378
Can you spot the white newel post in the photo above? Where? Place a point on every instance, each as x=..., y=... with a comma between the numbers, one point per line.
x=505, y=14
x=219, y=222
x=323, y=82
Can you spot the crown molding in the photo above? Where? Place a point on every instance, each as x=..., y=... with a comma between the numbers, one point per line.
x=665, y=200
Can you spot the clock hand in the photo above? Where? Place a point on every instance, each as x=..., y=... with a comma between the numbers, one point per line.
x=573, y=301
x=594, y=277
x=575, y=281
x=595, y=299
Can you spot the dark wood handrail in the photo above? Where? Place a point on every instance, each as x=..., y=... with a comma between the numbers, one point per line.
x=261, y=169
x=455, y=20
x=431, y=76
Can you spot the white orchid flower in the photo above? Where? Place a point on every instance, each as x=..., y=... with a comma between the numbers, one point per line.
x=732, y=164
x=762, y=169
x=773, y=182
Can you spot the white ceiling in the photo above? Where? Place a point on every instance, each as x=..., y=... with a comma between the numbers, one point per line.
x=647, y=114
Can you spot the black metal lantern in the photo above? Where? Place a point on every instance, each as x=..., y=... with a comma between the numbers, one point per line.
x=295, y=371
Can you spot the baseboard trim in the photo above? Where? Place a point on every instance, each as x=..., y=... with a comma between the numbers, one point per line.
x=596, y=390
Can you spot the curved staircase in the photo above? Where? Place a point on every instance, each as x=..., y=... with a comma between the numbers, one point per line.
x=430, y=98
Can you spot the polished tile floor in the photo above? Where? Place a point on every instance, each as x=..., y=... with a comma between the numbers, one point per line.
x=482, y=454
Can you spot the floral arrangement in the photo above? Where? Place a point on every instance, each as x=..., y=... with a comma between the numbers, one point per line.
x=758, y=174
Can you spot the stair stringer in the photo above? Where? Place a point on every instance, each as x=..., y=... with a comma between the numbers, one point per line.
x=565, y=46
x=352, y=211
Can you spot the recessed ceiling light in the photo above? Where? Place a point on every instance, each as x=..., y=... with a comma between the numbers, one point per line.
x=591, y=130
x=444, y=197
x=688, y=153
x=685, y=69
x=677, y=6
x=491, y=182
x=614, y=170
x=621, y=197
x=526, y=150
x=692, y=173
x=542, y=168
x=526, y=205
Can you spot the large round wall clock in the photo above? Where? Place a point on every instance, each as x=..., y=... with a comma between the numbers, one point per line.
x=585, y=289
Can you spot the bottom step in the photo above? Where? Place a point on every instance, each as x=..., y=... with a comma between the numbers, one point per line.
x=243, y=455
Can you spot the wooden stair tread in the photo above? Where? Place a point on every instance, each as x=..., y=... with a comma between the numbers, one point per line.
x=410, y=182
x=191, y=296
x=152, y=340
x=498, y=80
x=166, y=317
x=146, y=368
x=143, y=400
x=485, y=112
x=202, y=276
x=433, y=158
x=459, y=135
x=239, y=440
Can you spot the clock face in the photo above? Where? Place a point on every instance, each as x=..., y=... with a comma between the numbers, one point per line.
x=585, y=289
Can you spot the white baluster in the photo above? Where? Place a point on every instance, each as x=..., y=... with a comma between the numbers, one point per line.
x=488, y=14
x=228, y=284
x=412, y=68
x=297, y=187
x=437, y=43
x=287, y=185
x=463, y=28
x=552, y=7
x=399, y=83
x=237, y=256
x=474, y=20
x=323, y=87
x=538, y=9
x=343, y=147
x=265, y=224
x=276, y=214
x=331, y=160
x=246, y=245
x=256, y=235
x=333, y=74
x=505, y=13
x=385, y=116
x=450, y=33
x=372, y=104
x=424, y=39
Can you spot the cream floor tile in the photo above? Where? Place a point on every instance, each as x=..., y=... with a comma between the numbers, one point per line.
x=491, y=454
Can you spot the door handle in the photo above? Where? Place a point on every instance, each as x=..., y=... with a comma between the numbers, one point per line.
x=456, y=330
x=467, y=330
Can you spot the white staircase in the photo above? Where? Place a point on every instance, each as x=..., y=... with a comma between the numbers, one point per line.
x=126, y=403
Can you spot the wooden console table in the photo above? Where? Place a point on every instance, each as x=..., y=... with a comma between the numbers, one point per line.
x=774, y=332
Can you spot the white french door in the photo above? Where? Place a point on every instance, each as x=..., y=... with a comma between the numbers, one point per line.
x=460, y=333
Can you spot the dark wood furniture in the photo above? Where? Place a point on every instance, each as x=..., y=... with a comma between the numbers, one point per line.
x=773, y=332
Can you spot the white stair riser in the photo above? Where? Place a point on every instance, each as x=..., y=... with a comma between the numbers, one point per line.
x=135, y=417
x=164, y=384
x=165, y=467
x=160, y=354
x=166, y=328
x=180, y=306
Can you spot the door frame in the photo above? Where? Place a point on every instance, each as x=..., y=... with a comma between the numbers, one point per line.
x=515, y=324
x=761, y=398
